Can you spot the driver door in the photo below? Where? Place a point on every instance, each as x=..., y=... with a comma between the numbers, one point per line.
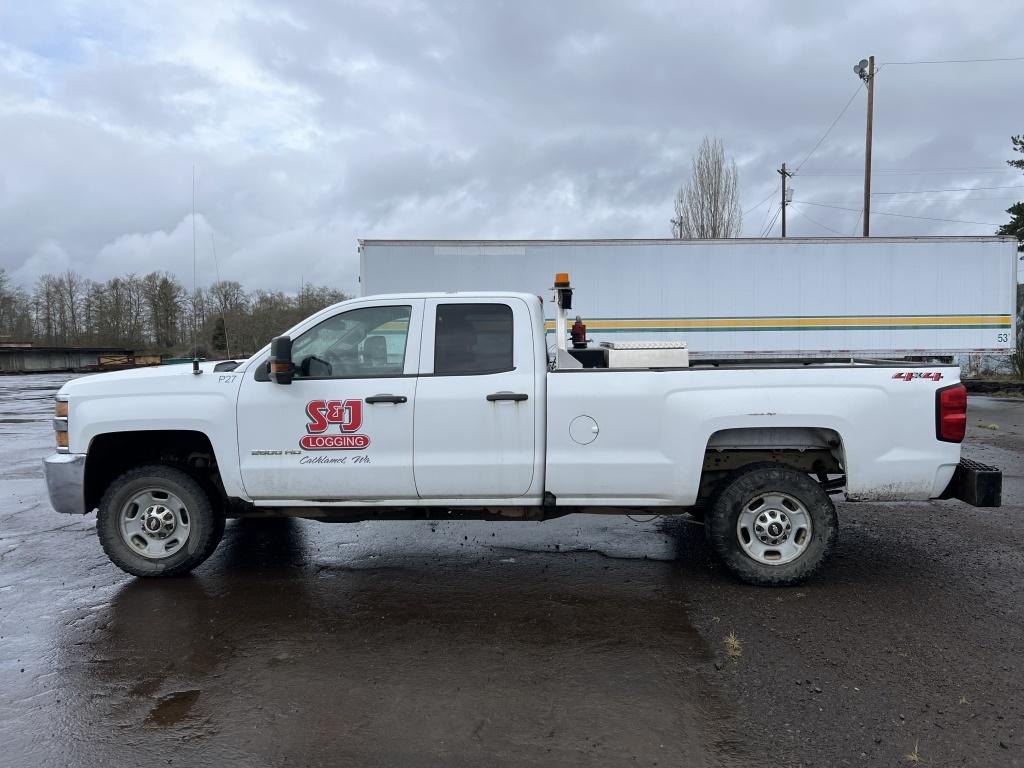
x=343, y=429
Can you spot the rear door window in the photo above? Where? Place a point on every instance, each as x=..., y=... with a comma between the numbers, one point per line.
x=471, y=339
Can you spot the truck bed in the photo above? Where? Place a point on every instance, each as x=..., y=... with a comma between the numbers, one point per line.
x=655, y=427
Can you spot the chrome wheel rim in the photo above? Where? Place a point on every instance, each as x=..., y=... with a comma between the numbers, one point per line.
x=155, y=523
x=774, y=528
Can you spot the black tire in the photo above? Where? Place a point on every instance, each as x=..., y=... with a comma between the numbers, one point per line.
x=742, y=490
x=206, y=521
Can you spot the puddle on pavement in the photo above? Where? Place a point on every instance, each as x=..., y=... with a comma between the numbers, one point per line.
x=146, y=687
x=172, y=708
x=407, y=640
x=386, y=643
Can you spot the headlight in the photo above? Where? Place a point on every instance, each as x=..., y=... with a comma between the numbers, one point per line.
x=60, y=424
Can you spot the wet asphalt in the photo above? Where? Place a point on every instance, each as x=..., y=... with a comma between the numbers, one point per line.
x=587, y=640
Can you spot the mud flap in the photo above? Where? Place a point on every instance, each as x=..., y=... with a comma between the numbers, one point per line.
x=977, y=484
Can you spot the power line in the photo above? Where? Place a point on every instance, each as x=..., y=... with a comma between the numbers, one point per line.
x=952, y=61
x=764, y=223
x=929, y=169
x=917, y=200
x=856, y=224
x=766, y=199
x=829, y=129
x=954, y=189
x=902, y=172
x=932, y=218
x=904, y=215
x=767, y=213
x=771, y=224
x=823, y=226
x=947, y=199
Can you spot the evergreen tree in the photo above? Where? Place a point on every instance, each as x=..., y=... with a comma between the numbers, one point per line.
x=1016, y=225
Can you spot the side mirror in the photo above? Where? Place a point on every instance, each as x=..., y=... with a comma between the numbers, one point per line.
x=282, y=370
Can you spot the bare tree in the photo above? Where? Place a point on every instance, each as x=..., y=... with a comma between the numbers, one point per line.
x=117, y=311
x=708, y=204
x=163, y=295
x=153, y=312
x=15, y=311
x=45, y=306
x=230, y=305
x=71, y=288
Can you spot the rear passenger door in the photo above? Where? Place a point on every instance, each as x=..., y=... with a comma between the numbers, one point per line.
x=474, y=433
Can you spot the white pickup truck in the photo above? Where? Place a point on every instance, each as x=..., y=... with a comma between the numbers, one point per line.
x=451, y=406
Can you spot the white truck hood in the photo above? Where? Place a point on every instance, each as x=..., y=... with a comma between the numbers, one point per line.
x=133, y=378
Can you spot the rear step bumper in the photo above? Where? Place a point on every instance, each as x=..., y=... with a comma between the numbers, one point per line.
x=978, y=484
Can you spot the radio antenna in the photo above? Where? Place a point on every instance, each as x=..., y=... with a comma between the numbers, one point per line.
x=223, y=319
x=195, y=348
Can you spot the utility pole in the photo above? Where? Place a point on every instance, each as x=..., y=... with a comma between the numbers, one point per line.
x=785, y=176
x=865, y=70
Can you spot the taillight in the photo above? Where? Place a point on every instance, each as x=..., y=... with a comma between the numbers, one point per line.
x=951, y=413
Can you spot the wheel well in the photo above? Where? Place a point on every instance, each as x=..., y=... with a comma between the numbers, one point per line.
x=114, y=453
x=814, y=450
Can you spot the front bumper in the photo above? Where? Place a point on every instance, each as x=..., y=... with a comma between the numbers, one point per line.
x=65, y=482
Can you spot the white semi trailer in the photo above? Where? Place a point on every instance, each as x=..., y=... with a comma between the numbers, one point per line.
x=795, y=297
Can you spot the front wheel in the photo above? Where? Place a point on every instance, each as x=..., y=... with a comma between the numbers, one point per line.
x=772, y=525
x=158, y=521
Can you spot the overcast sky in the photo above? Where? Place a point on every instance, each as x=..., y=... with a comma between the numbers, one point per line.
x=312, y=124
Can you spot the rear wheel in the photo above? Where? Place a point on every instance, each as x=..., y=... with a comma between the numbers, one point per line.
x=772, y=525
x=158, y=521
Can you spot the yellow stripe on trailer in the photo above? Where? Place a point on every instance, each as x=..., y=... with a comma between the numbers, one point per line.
x=825, y=322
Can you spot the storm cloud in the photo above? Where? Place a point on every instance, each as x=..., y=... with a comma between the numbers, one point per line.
x=312, y=124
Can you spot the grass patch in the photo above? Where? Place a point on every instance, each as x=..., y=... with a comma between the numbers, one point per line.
x=733, y=646
x=913, y=757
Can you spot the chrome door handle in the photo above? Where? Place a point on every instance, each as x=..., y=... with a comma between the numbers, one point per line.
x=386, y=399
x=514, y=396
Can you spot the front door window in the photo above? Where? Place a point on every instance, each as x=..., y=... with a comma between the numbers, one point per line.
x=362, y=343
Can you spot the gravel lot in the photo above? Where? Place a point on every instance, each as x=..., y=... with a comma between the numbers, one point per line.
x=586, y=640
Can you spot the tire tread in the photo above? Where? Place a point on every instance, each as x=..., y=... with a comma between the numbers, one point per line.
x=210, y=532
x=720, y=525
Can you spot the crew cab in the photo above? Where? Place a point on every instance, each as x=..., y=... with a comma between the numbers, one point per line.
x=448, y=406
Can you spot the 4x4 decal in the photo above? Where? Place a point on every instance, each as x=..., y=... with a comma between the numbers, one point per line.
x=347, y=414
x=911, y=375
